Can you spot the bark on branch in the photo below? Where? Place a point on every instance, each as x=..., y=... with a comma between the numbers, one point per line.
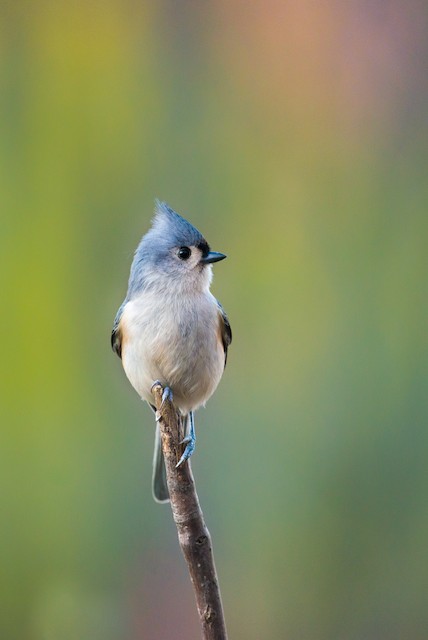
x=193, y=535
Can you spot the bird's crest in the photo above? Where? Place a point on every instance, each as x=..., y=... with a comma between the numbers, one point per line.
x=168, y=222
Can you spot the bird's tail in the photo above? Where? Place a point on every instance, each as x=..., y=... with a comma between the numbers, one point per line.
x=160, y=487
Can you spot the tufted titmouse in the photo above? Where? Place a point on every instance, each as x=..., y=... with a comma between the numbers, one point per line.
x=170, y=328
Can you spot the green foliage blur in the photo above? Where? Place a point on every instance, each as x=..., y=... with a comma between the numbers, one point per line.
x=294, y=135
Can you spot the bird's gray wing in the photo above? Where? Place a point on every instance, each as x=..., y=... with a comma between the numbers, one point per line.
x=225, y=330
x=116, y=333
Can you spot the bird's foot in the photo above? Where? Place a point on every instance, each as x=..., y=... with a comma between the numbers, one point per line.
x=167, y=395
x=189, y=441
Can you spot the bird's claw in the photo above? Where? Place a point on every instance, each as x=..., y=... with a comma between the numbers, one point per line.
x=190, y=442
x=156, y=382
x=166, y=396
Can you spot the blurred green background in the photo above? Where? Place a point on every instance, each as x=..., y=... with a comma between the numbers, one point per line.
x=294, y=135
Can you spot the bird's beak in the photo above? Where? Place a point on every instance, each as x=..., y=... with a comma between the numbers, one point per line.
x=213, y=256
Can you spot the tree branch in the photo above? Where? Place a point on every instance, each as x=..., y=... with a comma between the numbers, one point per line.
x=193, y=535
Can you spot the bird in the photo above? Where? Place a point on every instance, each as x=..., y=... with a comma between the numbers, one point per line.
x=170, y=329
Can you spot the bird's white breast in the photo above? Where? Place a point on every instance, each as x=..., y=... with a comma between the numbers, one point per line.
x=175, y=339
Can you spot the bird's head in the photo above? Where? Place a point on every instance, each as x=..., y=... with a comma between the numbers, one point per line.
x=173, y=250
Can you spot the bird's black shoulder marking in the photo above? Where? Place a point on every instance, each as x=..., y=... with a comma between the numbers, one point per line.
x=116, y=333
x=226, y=331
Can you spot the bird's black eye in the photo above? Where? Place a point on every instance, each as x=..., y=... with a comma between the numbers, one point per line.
x=184, y=253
